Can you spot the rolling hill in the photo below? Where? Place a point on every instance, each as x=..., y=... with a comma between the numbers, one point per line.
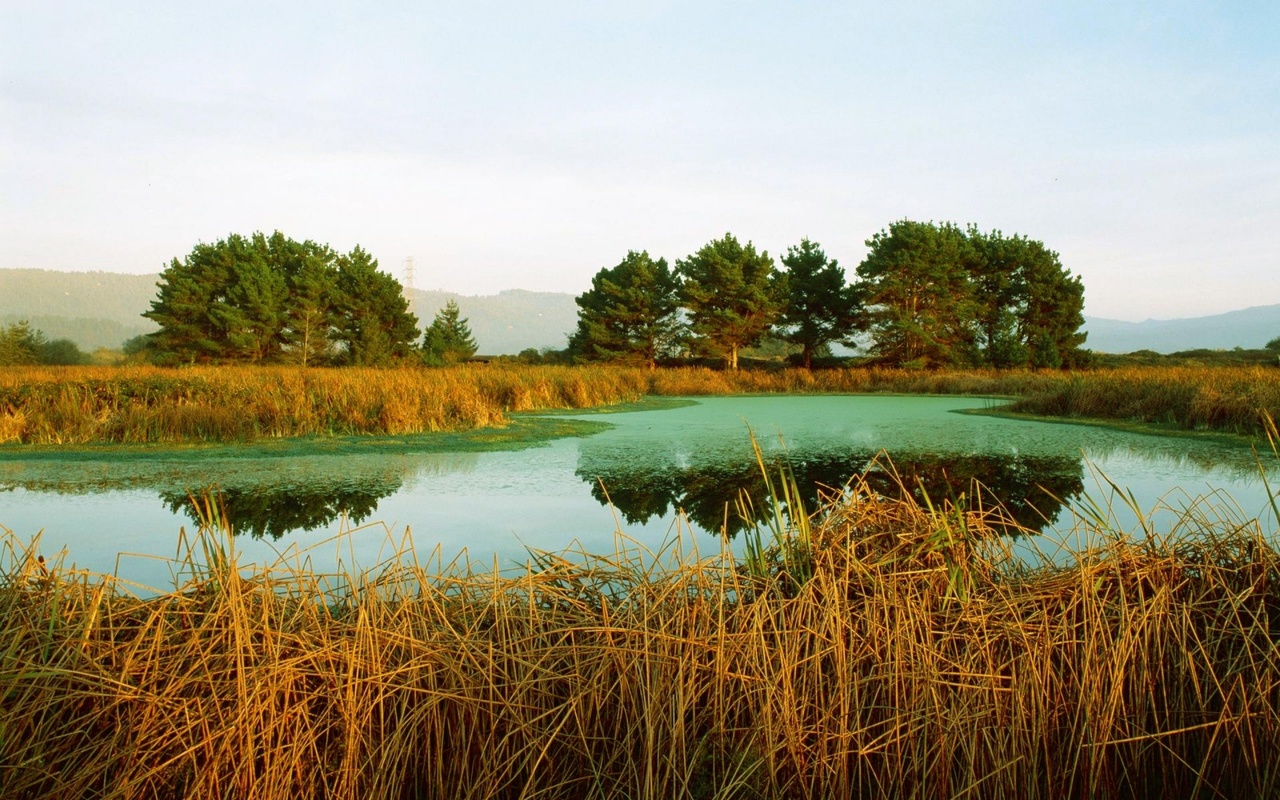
x=1248, y=328
x=92, y=309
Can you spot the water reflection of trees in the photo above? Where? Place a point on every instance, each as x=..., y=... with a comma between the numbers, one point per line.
x=273, y=511
x=263, y=497
x=1032, y=489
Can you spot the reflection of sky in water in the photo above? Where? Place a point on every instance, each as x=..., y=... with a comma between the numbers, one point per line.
x=541, y=497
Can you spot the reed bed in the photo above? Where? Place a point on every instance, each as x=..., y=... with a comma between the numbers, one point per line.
x=83, y=405
x=226, y=404
x=1231, y=399
x=913, y=658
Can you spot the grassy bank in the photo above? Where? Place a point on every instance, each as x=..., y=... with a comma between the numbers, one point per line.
x=80, y=405
x=1230, y=399
x=910, y=661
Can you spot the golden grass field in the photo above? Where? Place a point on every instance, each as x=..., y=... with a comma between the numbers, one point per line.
x=82, y=405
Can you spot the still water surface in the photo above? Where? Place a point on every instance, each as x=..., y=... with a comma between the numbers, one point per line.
x=636, y=476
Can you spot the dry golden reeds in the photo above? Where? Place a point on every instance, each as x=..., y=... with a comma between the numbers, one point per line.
x=1231, y=399
x=218, y=404
x=83, y=405
x=913, y=658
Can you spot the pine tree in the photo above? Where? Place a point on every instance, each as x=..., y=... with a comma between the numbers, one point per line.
x=821, y=307
x=941, y=296
x=630, y=313
x=20, y=344
x=271, y=298
x=256, y=308
x=1052, y=311
x=191, y=305
x=313, y=308
x=732, y=294
x=448, y=339
x=920, y=302
x=375, y=327
x=1030, y=308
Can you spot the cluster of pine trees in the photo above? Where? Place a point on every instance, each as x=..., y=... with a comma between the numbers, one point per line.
x=270, y=299
x=925, y=295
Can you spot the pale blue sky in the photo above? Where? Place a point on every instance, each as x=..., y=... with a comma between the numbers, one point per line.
x=529, y=144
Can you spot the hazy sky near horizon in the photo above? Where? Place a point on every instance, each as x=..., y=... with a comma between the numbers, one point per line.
x=527, y=145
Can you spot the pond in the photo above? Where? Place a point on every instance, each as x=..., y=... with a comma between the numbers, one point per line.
x=635, y=471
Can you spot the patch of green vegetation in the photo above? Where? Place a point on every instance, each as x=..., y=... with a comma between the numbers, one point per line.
x=1199, y=357
x=522, y=431
x=650, y=402
x=1128, y=426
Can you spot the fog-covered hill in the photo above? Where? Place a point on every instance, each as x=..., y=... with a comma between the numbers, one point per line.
x=1248, y=328
x=92, y=309
x=510, y=321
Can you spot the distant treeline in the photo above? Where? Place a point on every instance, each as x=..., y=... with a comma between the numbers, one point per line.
x=23, y=345
x=1268, y=355
x=89, y=333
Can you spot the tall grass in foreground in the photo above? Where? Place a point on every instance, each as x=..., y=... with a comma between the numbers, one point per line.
x=914, y=659
x=81, y=405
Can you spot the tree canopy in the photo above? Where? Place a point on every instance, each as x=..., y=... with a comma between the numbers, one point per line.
x=1030, y=308
x=448, y=339
x=374, y=326
x=927, y=294
x=820, y=306
x=921, y=309
x=732, y=295
x=938, y=295
x=272, y=299
x=630, y=313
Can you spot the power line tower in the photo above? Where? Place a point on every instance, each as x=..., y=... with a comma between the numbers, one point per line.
x=407, y=283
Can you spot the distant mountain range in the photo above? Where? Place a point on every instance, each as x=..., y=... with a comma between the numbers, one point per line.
x=1250, y=328
x=103, y=309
